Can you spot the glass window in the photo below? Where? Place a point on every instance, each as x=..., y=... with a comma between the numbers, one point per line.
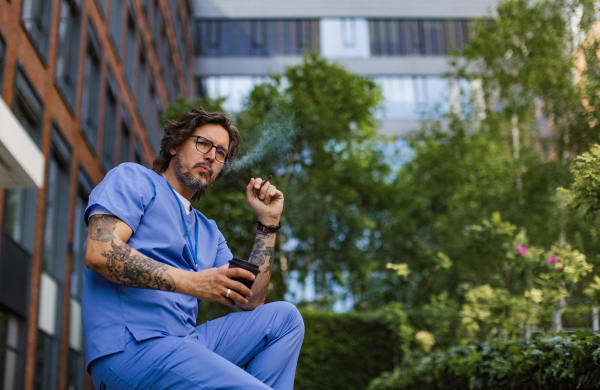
x=76, y=358
x=156, y=25
x=141, y=83
x=2, y=59
x=130, y=53
x=409, y=97
x=54, y=256
x=101, y=6
x=138, y=155
x=125, y=137
x=28, y=106
x=110, y=124
x=344, y=38
x=90, y=101
x=410, y=37
x=116, y=24
x=11, y=350
x=36, y=16
x=255, y=37
x=67, y=58
x=235, y=89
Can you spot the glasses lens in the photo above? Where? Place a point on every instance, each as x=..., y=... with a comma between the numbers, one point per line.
x=220, y=154
x=203, y=145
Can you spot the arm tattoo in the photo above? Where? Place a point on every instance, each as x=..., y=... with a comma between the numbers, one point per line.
x=135, y=270
x=262, y=253
x=102, y=227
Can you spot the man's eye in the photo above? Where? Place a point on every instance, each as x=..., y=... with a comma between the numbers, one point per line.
x=202, y=141
x=221, y=152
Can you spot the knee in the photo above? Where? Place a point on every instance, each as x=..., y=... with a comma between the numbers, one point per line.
x=290, y=316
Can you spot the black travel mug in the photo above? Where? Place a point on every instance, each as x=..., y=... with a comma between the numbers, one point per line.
x=248, y=266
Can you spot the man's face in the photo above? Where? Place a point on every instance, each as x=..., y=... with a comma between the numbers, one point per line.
x=197, y=170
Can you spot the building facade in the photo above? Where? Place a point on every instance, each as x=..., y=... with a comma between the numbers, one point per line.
x=83, y=84
x=403, y=45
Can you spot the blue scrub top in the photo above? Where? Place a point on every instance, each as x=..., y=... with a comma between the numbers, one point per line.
x=143, y=200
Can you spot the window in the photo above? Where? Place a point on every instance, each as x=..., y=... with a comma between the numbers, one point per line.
x=130, y=52
x=76, y=358
x=146, y=9
x=157, y=21
x=90, y=101
x=255, y=37
x=181, y=42
x=235, y=89
x=101, y=6
x=153, y=114
x=422, y=37
x=12, y=342
x=116, y=24
x=36, y=16
x=344, y=38
x=141, y=83
x=125, y=136
x=171, y=80
x=28, y=107
x=2, y=59
x=67, y=59
x=110, y=123
x=408, y=97
x=138, y=155
x=54, y=257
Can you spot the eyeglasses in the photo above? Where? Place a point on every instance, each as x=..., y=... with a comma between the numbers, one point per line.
x=204, y=146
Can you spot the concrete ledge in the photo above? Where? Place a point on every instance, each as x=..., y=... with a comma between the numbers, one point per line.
x=373, y=66
x=286, y=9
x=21, y=161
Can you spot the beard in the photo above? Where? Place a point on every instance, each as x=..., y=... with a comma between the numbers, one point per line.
x=198, y=184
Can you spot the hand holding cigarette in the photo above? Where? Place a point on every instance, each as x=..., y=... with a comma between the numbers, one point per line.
x=265, y=200
x=263, y=183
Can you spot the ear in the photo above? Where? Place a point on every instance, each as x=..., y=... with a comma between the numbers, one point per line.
x=172, y=151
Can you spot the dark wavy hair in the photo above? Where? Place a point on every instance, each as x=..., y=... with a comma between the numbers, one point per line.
x=178, y=131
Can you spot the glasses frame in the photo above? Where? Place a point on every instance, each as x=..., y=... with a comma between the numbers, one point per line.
x=212, y=145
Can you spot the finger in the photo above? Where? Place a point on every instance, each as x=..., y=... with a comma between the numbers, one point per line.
x=235, y=296
x=264, y=191
x=257, y=185
x=239, y=288
x=239, y=273
x=250, y=188
x=271, y=191
x=275, y=195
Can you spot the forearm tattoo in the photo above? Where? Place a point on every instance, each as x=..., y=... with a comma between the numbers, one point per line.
x=262, y=253
x=136, y=270
x=124, y=267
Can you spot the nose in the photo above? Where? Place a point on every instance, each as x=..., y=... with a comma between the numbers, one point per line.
x=211, y=154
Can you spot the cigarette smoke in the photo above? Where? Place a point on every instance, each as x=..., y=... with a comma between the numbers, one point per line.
x=273, y=143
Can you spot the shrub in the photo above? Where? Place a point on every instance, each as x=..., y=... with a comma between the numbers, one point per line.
x=344, y=350
x=559, y=362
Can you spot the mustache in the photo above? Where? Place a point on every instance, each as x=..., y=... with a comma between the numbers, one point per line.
x=205, y=164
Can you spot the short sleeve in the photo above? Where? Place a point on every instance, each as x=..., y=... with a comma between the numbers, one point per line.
x=223, y=252
x=125, y=192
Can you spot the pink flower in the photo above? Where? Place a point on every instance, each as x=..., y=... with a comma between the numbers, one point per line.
x=552, y=260
x=522, y=249
x=559, y=268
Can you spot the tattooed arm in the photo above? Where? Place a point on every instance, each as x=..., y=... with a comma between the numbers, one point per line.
x=262, y=255
x=108, y=254
x=267, y=202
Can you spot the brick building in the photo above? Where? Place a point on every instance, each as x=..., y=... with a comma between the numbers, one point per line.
x=82, y=85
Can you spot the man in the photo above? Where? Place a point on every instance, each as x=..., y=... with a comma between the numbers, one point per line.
x=150, y=259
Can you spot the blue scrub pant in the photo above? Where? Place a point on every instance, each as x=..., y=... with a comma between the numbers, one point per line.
x=265, y=340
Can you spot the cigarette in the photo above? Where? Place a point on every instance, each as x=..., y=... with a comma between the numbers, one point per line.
x=263, y=183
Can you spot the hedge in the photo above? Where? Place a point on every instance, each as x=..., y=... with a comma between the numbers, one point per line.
x=560, y=362
x=343, y=351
